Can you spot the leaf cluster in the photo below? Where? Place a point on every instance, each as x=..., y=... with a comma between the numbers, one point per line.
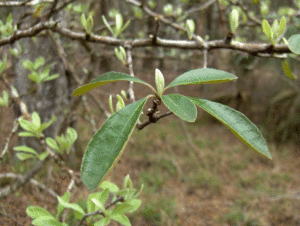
x=99, y=206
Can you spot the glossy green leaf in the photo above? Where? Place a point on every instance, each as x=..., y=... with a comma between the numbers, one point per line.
x=202, y=76
x=294, y=44
x=181, y=106
x=105, y=79
x=107, y=144
x=238, y=123
x=287, y=70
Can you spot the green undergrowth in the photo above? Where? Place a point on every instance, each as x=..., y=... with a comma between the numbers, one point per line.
x=162, y=156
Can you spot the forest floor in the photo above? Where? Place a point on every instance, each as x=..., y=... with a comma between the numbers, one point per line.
x=215, y=181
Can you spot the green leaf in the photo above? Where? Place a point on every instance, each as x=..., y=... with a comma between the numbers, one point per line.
x=36, y=211
x=89, y=24
x=103, y=222
x=267, y=30
x=71, y=135
x=127, y=182
x=282, y=26
x=52, y=143
x=238, y=123
x=38, y=63
x=83, y=21
x=25, y=149
x=60, y=207
x=4, y=99
x=26, y=125
x=122, y=208
x=45, y=221
x=202, y=76
x=119, y=23
x=134, y=203
x=190, y=28
x=35, y=119
x=287, y=70
x=181, y=106
x=113, y=188
x=24, y=156
x=27, y=64
x=107, y=25
x=111, y=104
x=108, y=143
x=73, y=206
x=234, y=20
x=105, y=79
x=275, y=28
x=294, y=44
x=51, y=77
x=122, y=219
x=43, y=156
x=26, y=134
x=159, y=82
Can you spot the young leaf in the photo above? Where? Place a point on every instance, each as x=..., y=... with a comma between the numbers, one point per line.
x=108, y=143
x=4, y=99
x=60, y=208
x=36, y=211
x=202, y=76
x=159, y=81
x=24, y=156
x=110, y=104
x=36, y=120
x=287, y=70
x=103, y=222
x=107, y=25
x=134, y=203
x=234, y=20
x=73, y=206
x=119, y=23
x=282, y=26
x=110, y=186
x=52, y=143
x=122, y=219
x=105, y=79
x=267, y=30
x=43, y=155
x=89, y=24
x=121, y=101
x=83, y=21
x=38, y=63
x=190, y=28
x=238, y=123
x=46, y=220
x=26, y=149
x=181, y=106
x=294, y=44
